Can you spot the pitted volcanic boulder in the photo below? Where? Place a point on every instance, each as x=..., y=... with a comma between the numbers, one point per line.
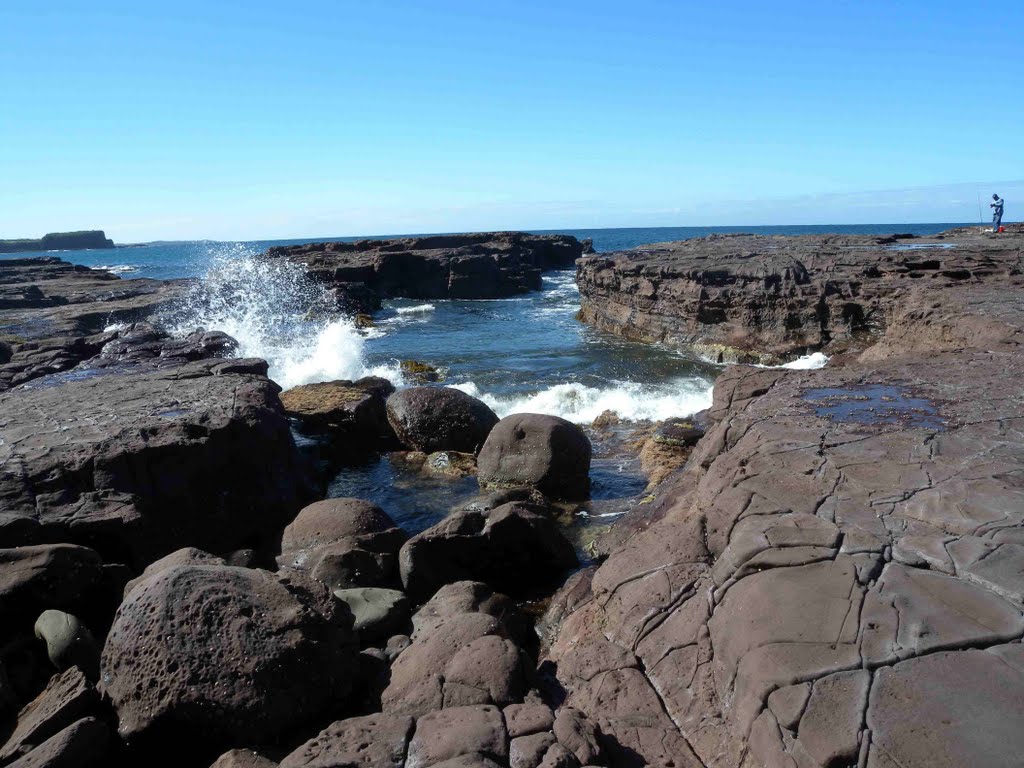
x=458, y=732
x=183, y=556
x=431, y=419
x=46, y=576
x=343, y=543
x=231, y=654
x=510, y=548
x=526, y=719
x=542, y=452
x=136, y=465
x=374, y=741
x=353, y=413
x=81, y=745
x=67, y=698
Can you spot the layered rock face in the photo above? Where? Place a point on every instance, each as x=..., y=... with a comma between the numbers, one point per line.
x=482, y=266
x=836, y=577
x=758, y=298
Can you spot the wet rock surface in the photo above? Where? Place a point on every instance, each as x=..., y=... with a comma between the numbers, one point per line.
x=836, y=572
x=431, y=419
x=475, y=266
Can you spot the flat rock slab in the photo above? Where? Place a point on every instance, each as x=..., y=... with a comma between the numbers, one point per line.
x=834, y=577
x=138, y=465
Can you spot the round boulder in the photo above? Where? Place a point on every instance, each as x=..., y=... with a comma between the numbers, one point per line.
x=214, y=654
x=542, y=452
x=343, y=543
x=431, y=419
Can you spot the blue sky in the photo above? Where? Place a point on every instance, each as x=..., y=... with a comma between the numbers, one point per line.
x=232, y=120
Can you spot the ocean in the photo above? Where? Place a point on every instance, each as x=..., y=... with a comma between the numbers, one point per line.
x=522, y=354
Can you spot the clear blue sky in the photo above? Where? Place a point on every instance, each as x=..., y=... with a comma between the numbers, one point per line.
x=245, y=120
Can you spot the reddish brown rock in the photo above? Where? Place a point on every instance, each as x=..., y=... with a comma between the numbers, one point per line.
x=234, y=654
x=33, y=578
x=510, y=548
x=431, y=419
x=472, y=266
x=81, y=745
x=67, y=698
x=343, y=543
x=458, y=732
x=542, y=452
x=374, y=741
x=243, y=758
x=136, y=465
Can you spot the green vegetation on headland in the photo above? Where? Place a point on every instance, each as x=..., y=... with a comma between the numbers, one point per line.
x=59, y=241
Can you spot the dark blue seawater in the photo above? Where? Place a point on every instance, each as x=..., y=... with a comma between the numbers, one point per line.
x=522, y=354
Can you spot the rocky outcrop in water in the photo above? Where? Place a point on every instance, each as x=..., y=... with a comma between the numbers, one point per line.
x=834, y=578
x=478, y=266
x=759, y=298
x=59, y=241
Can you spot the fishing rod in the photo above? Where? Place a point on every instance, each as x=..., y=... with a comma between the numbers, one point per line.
x=981, y=218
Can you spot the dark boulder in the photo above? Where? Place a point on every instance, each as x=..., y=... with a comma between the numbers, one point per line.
x=376, y=613
x=542, y=452
x=243, y=758
x=430, y=419
x=511, y=548
x=343, y=543
x=222, y=654
x=471, y=731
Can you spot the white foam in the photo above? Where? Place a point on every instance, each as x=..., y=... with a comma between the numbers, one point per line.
x=117, y=269
x=810, y=362
x=582, y=404
x=416, y=310
x=277, y=313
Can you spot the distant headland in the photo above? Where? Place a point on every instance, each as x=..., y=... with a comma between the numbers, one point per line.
x=59, y=241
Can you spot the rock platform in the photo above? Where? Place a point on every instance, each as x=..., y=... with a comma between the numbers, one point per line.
x=836, y=577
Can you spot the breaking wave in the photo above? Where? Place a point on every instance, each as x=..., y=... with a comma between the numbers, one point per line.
x=582, y=404
x=277, y=313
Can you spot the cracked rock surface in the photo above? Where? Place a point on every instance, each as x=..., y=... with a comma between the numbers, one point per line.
x=836, y=576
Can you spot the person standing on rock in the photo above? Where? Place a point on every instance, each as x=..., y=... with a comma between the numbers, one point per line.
x=997, y=212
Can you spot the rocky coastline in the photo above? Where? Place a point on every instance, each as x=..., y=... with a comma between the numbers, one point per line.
x=828, y=570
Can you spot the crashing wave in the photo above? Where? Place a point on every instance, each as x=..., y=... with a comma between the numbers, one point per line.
x=582, y=404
